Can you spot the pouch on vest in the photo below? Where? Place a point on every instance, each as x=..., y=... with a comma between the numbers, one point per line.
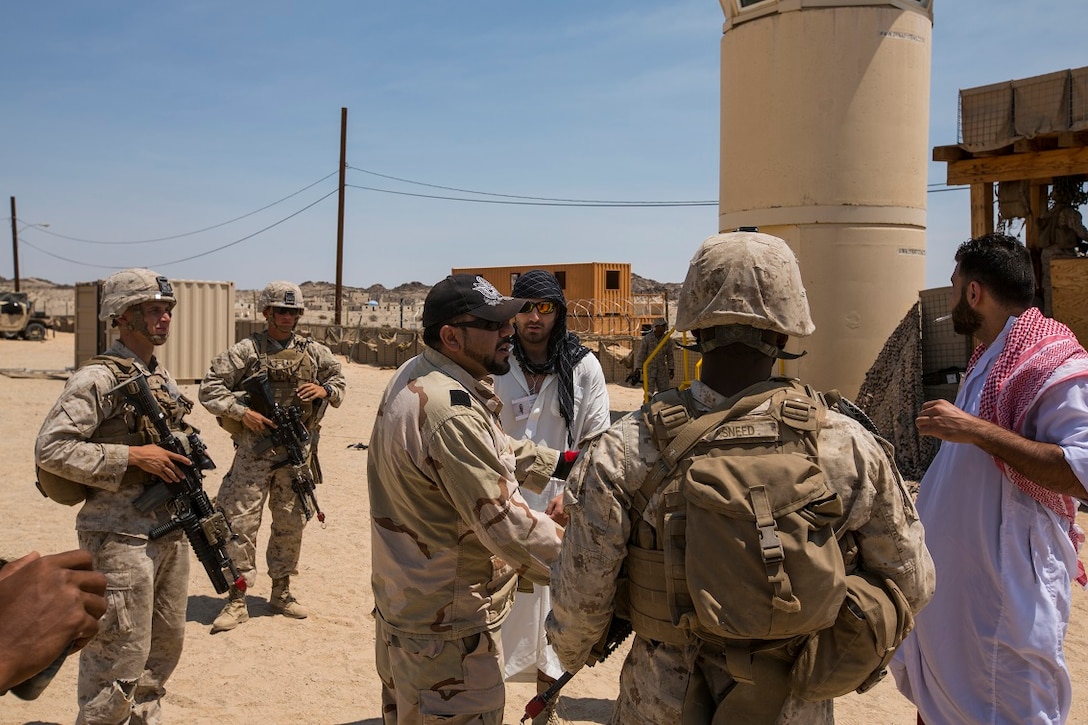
x=761, y=556
x=60, y=489
x=853, y=654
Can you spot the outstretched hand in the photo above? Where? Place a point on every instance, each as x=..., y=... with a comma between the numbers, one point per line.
x=46, y=604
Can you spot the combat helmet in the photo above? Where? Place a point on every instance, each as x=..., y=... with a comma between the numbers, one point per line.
x=744, y=282
x=281, y=294
x=129, y=287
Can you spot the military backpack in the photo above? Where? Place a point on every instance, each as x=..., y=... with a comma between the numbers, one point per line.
x=745, y=554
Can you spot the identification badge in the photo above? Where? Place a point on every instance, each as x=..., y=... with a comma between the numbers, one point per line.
x=523, y=407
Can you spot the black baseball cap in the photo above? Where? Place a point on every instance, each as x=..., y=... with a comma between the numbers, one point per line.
x=471, y=294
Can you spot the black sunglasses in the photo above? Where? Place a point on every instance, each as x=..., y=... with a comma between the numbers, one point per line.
x=489, y=325
x=286, y=311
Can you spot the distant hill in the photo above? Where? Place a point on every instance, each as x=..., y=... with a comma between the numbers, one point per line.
x=644, y=286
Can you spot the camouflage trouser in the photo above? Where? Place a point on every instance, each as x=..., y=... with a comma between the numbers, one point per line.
x=250, y=482
x=123, y=671
x=652, y=685
x=655, y=678
x=658, y=377
x=430, y=680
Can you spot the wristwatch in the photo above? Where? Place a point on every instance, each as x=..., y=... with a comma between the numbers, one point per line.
x=328, y=390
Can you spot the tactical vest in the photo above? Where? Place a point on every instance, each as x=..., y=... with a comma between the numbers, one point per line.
x=125, y=427
x=286, y=370
x=711, y=474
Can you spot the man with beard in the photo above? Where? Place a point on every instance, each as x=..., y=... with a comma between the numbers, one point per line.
x=555, y=395
x=303, y=373
x=998, y=504
x=95, y=444
x=450, y=531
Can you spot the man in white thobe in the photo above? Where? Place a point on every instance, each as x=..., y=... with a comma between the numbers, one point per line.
x=998, y=505
x=554, y=395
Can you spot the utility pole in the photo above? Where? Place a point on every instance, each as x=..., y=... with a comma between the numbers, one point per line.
x=14, y=244
x=339, y=214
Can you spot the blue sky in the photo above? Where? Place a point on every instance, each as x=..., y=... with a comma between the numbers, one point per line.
x=125, y=122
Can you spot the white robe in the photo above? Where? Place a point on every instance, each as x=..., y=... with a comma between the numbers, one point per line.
x=538, y=419
x=988, y=647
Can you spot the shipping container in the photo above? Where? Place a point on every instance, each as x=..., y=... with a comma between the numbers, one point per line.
x=201, y=328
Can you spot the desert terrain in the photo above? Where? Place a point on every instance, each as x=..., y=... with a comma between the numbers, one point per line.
x=319, y=670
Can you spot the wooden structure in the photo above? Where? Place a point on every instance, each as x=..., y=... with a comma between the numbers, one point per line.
x=599, y=298
x=1026, y=132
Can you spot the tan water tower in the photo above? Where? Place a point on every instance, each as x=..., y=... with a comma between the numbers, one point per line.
x=824, y=143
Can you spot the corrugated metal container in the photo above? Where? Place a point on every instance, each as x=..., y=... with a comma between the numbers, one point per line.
x=598, y=293
x=202, y=326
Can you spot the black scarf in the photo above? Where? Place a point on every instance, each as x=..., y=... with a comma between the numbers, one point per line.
x=565, y=350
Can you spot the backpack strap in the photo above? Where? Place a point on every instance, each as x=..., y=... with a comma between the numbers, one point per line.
x=121, y=367
x=691, y=433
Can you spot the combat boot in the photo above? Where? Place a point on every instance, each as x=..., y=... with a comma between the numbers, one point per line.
x=233, y=614
x=547, y=716
x=281, y=601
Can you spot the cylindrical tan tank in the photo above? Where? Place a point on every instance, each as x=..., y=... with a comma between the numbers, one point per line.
x=824, y=143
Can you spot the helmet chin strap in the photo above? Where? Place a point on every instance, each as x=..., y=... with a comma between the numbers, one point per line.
x=722, y=335
x=142, y=329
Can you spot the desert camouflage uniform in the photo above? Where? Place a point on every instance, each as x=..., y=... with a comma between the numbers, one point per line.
x=445, y=507
x=122, y=671
x=655, y=675
x=657, y=373
x=256, y=476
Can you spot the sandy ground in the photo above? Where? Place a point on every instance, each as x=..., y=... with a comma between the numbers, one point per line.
x=318, y=670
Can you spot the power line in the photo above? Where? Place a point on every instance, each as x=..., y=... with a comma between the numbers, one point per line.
x=191, y=257
x=198, y=231
x=574, y=202
x=507, y=199
x=592, y=204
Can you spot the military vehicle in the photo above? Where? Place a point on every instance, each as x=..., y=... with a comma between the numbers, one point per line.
x=18, y=319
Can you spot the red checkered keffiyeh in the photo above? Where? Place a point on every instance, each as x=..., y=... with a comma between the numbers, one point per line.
x=1035, y=348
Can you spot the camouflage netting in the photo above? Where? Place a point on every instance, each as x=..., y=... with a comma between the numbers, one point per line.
x=892, y=395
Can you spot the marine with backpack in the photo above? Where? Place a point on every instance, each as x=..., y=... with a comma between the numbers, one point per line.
x=760, y=540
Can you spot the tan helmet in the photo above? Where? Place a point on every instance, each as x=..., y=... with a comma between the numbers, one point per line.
x=744, y=278
x=281, y=294
x=129, y=287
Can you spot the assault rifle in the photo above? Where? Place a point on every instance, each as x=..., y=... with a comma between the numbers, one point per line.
x=289, y=434
x=206, y=528
x=618, y=631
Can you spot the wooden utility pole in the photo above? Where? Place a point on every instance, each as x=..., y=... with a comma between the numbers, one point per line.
x=339, y=213
x=14, y=244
